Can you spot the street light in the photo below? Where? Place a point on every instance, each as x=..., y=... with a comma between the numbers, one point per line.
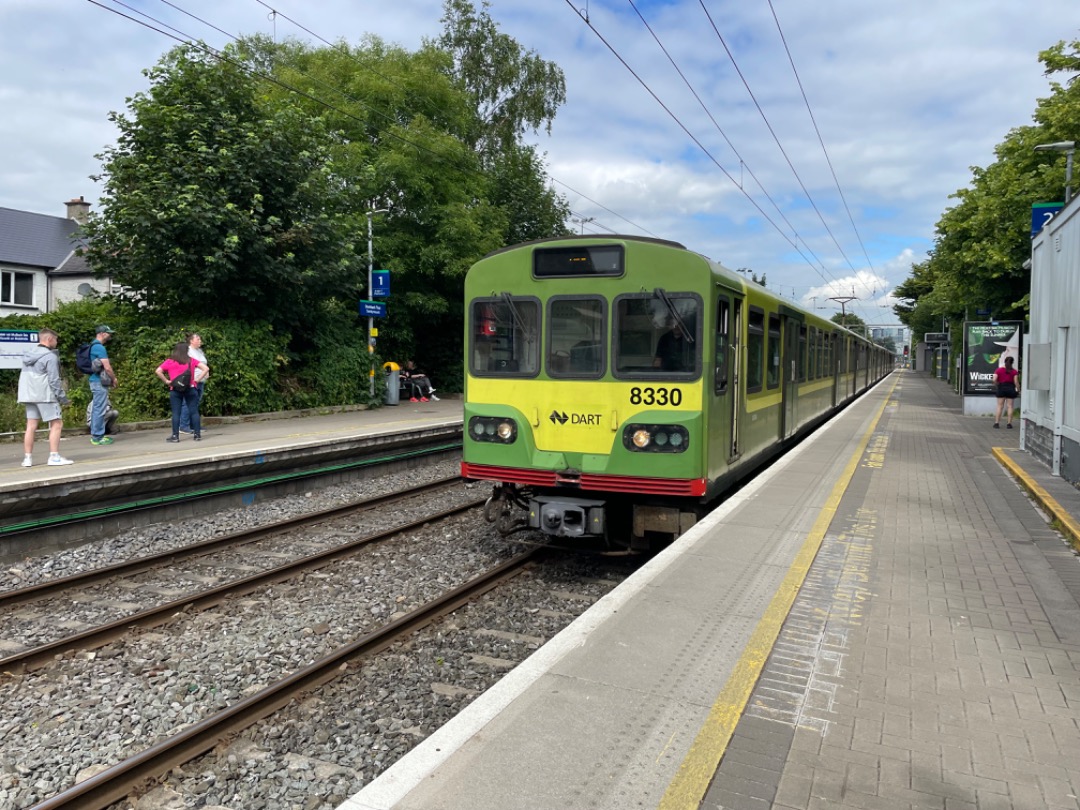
x=1068, y=147
x=371, y=320
x=582, y=221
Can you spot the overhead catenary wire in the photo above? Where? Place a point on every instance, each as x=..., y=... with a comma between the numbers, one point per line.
x=694, y=138
x=776, y=138
x=821, y=140
x=708, y=112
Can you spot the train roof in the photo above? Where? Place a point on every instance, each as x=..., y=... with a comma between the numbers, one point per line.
x=735, y=278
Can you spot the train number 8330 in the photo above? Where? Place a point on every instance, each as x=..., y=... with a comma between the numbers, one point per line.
x=656, y=396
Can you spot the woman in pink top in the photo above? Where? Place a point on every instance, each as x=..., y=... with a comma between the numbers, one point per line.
x=1005, y=377
x=180, y=362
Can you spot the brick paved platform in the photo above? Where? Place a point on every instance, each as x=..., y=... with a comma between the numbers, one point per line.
x=884, y=619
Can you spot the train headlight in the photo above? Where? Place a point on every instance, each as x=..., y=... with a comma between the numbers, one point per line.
x=495, y=429
x=656, y=438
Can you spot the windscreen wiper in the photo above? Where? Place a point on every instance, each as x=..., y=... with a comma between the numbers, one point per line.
x=675, y=316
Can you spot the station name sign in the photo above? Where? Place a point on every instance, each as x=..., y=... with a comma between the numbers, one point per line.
x=936, y=337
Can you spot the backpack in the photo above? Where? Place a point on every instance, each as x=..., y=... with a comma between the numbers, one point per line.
x=82, y=359
x=182, y=381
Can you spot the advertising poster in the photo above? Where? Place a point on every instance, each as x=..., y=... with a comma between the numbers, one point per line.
x=986, y=345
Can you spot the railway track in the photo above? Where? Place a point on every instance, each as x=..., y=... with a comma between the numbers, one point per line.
x=134, y=773
x=110, y=631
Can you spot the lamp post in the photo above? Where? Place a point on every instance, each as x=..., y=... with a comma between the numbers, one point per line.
x=1069, y=148
x=582, y=221
x=371, y=320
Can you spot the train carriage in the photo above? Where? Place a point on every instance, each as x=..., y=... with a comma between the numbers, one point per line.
x=615, y=386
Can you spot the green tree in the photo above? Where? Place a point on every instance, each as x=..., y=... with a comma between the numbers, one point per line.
x=215, y=201
x=983, y=242
x=512, y=91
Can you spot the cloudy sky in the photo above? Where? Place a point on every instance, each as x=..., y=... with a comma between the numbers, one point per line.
x=685, y=119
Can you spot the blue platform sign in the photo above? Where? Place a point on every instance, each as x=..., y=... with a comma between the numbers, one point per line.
x=372, y=309
x=380, y=284
x=1041, y=213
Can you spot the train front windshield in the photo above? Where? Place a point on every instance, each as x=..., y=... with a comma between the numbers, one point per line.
x=506, y=336
x=654, y=335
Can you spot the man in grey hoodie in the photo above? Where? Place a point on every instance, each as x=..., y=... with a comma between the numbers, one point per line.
x=42, y=392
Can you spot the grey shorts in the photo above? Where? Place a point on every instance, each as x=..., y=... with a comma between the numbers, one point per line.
x=43, y=411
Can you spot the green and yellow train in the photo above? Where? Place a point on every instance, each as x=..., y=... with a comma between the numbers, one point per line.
x=615, y=386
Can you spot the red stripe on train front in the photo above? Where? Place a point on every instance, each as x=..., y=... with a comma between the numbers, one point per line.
x=676, y=487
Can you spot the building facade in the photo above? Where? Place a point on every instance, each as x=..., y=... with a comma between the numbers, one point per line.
x=1050, y=377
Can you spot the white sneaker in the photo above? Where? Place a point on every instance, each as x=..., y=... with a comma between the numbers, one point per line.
x=28, y=461
x=59, y=461
x=433, y=398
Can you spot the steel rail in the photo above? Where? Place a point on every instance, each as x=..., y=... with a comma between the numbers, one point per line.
x=238, y=538
x=119, y=780
x=103, y=634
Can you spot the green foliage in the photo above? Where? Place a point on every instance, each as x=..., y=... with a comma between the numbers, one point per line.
x=512, y=91
x=212, y=195
x=231, y=200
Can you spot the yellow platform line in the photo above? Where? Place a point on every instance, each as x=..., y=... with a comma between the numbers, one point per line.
x=1070, y=525
x=696, y=771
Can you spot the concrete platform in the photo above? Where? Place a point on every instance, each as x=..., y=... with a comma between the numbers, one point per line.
x=141, y=465
x=882, y=619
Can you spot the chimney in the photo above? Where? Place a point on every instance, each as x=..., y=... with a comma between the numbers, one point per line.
x=78, y=210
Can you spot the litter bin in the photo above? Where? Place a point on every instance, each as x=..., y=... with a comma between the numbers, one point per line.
x=393, y=383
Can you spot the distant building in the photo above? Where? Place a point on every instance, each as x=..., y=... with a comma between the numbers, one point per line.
x=1049, y=377
x=38, y=265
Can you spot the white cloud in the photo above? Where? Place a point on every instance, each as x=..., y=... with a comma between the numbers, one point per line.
x=907, y=97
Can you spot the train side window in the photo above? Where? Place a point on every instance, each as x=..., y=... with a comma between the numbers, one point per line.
x=812, y=356
x=755, y=349
x=802, y=353
x=723, y=340
x=772, y=373
x=504, y=335
x=576, y=336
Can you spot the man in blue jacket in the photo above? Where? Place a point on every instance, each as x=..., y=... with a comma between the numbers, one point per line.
x=103, y=373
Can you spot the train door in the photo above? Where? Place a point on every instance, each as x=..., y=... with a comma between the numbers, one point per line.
x=735, y=377
x=789, y=376
x=835, y=366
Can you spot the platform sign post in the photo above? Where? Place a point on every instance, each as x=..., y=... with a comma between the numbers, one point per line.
x=1041, y=213
x=380, y=284
x=13, y=345
x=372, y=332
x=372, y=309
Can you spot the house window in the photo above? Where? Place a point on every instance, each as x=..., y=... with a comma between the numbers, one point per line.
x=17, y=288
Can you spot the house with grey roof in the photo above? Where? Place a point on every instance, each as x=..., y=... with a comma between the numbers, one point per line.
x=38, y=265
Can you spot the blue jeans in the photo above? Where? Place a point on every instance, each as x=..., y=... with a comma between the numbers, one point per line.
x=190, y=398
x=97, y=411
x=185, y=417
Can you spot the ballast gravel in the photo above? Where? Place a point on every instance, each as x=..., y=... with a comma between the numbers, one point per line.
x=90, y=710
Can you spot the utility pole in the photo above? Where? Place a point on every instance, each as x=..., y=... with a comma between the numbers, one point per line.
x=582, y=221
x=843, y=300
x=371, y=321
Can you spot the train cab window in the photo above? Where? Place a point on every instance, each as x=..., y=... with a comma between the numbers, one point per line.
x=504, y=334
x=772, y=373
x=575, y=335
x=755, y=349
x=723, y=342
x=657, y=334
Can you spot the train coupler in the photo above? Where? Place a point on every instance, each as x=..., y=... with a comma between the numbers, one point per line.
x=567, y=517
